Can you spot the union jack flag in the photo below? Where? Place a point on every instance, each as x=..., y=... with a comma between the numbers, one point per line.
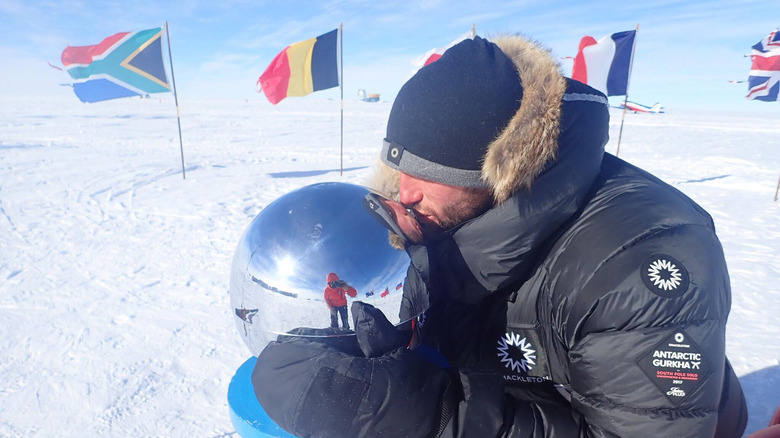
x=764, y=78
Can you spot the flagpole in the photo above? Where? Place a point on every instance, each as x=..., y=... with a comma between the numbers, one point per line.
x=628, y=82
x=176, y=99
x=777, y=189
x=341, y=82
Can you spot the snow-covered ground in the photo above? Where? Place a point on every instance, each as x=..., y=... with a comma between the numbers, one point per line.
x=115, y=318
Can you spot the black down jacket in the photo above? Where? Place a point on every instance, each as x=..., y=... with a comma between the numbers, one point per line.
x=590, y=302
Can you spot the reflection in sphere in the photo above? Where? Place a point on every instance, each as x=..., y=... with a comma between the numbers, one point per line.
x=282, y=262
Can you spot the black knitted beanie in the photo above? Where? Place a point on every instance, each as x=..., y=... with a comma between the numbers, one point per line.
x=447, y=114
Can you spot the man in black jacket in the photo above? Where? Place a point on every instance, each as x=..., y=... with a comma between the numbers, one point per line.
x=571, y=294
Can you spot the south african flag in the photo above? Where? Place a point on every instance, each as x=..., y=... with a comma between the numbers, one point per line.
x=123, y=65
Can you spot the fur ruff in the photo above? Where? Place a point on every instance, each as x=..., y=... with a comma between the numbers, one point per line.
x=530, y=140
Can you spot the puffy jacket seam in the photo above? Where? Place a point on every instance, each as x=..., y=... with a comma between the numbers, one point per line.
x=676, y=324
x=635, y=409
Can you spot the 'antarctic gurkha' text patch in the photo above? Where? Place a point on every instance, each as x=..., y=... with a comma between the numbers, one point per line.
x=676, y=366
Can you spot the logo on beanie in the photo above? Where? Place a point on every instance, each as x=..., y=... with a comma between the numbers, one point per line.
x=664, y=275
x=517, y=363
x=394, y=152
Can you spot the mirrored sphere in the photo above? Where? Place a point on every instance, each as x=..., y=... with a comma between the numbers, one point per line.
x=284, y=259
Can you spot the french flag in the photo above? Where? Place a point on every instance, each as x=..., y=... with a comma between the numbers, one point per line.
x=605, y=64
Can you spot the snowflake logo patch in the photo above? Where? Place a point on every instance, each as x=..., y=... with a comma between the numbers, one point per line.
x=664, y=275
x=523, y=363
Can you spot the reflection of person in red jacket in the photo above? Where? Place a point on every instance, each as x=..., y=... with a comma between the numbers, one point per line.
x=336, y=299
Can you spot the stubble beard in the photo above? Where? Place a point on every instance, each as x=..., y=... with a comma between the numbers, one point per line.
x=472, y=204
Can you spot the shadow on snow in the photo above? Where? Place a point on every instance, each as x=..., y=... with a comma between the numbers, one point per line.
x=759, y=386
x=305, y=173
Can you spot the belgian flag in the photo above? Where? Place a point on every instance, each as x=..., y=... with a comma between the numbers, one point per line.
x=303, y=68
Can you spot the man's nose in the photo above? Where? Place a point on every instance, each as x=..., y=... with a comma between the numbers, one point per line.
x=409, y=190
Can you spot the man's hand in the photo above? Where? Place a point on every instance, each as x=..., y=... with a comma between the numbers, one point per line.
x=366, y=385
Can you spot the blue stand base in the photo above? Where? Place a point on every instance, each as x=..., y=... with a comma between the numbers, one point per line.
x=246, y=413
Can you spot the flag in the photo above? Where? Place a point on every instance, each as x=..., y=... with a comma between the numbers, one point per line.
x=764, y=78
x=605, y=64
x=399, y=285
x=303, y=68
x=123, y=65
x=370, y=293
x=384, y=294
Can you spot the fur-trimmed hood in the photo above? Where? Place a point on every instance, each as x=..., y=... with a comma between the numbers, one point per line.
x=541, y=168
x=530, y=140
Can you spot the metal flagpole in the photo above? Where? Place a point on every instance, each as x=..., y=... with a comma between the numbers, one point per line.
x=777, y=189
x=628, y=82
x=176, y=99
x=341, y=82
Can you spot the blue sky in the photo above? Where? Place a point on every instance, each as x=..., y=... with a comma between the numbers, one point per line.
x=686, y=51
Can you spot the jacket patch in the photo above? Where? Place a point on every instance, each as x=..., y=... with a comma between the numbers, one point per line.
x=517, y=351
x=676, y=366
x=664, y=275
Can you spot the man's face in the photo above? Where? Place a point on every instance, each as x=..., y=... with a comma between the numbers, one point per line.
x=438, y=207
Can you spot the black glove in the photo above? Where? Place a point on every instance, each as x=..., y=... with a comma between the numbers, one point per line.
x=366, y=385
